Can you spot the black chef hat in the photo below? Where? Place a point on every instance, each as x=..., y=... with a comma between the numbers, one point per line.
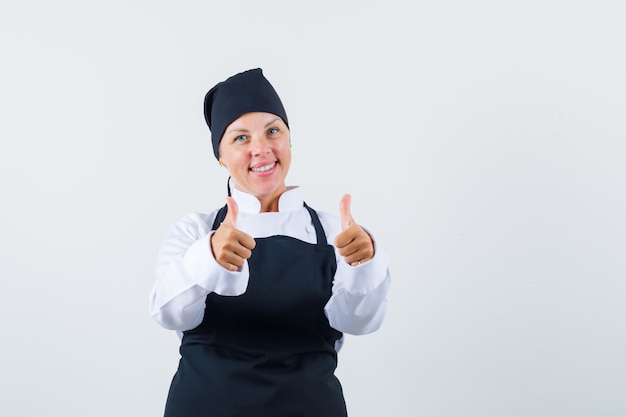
x=246, y=92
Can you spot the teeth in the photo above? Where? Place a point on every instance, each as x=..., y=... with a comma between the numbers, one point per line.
x=264, y=168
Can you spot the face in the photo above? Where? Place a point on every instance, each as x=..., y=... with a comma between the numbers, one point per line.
x=256, y=150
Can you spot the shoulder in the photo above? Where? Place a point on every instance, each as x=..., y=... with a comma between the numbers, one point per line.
x=193, y=224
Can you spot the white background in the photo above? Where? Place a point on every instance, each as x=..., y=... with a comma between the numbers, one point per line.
x=483, y=143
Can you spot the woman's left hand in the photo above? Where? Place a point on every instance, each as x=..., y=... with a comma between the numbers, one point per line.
x=353, y=243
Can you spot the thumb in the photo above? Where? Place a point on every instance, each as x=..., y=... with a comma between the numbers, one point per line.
x=233, y=211
x=344, y=211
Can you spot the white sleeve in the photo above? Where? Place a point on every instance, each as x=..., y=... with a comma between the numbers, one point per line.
x=186, y=272
x=359, y=299
x=358, y=303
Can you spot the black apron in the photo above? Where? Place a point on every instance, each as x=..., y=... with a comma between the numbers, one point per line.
x=270, y=351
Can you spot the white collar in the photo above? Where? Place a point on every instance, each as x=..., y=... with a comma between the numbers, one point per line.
x=290, y=200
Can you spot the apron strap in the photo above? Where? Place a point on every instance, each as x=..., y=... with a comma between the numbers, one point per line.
x=219, y=217
x=319, y=230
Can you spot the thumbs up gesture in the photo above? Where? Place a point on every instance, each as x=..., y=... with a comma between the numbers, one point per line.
x=230, y=246
x=353, y=242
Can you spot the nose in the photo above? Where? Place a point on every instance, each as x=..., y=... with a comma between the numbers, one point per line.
x=260, y=146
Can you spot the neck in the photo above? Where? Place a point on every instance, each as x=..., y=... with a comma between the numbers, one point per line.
x=269, y=203
x=270, y=206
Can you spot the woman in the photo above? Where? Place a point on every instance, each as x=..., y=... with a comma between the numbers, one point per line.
x=262, y=290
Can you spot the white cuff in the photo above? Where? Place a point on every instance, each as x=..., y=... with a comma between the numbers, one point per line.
x=363, y=278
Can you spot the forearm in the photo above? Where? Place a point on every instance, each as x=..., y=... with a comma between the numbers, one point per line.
x=358, y=304
x=186, y=273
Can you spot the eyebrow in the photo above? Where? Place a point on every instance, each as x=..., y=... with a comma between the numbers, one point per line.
x=246, y=130
x=236, y=130
x=272, y=122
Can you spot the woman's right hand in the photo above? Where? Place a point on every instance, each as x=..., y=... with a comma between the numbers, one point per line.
x=230, y=246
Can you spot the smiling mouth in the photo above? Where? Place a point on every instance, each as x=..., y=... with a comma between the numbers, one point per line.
x=263, y=168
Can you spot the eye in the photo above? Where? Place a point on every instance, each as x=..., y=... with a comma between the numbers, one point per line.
x=272, y=131
x=239, y=138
